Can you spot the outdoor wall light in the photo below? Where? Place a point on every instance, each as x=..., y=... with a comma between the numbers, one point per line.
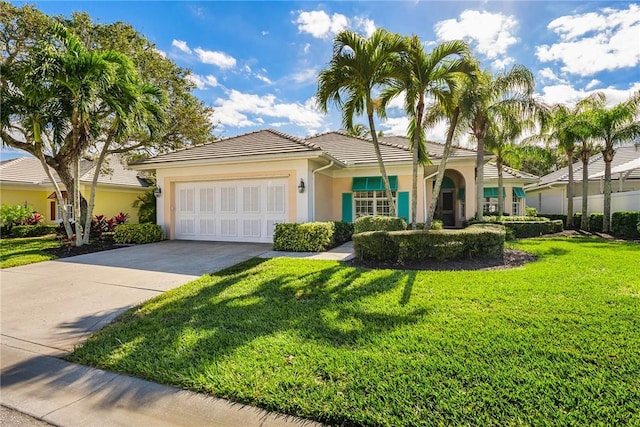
x=301, y=186
x=157, y=192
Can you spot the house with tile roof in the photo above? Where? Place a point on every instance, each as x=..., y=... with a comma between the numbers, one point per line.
x=238, y=188
x=24, y=181
x=549, y=194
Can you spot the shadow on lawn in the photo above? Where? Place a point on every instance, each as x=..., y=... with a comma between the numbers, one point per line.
x=327, y=305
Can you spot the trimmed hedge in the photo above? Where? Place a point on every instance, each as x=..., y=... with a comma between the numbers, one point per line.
x=556, y=216
x=498, y=219
x=32, y=230
x=138, y=233
x=595, y=222
x=311, y=236
x=481, y=240
x=525, y=226
x=626, y=223
x=379, y=223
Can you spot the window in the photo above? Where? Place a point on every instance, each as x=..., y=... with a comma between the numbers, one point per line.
x=371, y=203
x=60, y=212
x=491, y=205
x=518, y=200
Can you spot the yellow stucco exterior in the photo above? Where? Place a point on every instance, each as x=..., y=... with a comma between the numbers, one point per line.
x=109, y=201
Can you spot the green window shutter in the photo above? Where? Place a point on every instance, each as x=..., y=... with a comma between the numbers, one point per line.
x=347, y=207
x=373, y=183
x=493, y=192
x=403, y=205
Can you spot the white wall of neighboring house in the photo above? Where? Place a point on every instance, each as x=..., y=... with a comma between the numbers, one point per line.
x=548, y=200
x=554, y=200
x=626, y=201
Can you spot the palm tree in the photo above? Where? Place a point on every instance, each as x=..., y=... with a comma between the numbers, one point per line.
x=423, y=75
x=358, y=67
x=612, y=126
x=482, y=98
x=500, y=140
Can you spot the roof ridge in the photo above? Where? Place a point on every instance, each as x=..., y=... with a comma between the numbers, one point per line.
x=292, y=138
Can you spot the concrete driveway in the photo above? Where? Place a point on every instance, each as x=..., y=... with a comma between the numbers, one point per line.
x=50, y=307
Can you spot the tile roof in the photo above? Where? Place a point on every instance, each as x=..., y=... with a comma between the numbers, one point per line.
x=267, y=141
x=596, y=165
x=29, y=170
x=491, y=173
x=353, y=150
x=434, y=149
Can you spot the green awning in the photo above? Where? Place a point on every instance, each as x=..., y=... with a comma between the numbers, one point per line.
x=373, y=183
x=461, y=194
x=519, y=193
x=493, y=192
x=447, y=183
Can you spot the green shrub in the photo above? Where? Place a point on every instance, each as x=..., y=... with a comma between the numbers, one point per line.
x=32, y=230
x=146, y=205
x=483, y=240
x=379, y=223
x=311, y=236
x=436, y=224
x=499, y=219
x=11, y=215
x=529, y=211
x=638, y=225
x=138, y=233
x=595, y=222
x=557, y=225
x=625, y=223
x=577, y=220
x=554, y=216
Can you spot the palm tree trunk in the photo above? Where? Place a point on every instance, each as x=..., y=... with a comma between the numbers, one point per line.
x=414, y=159
x=570, y=191
x=584, y=223
x=608, y=158
x=92, y=193
x=60, y=199
x=500, y=187
x=442, y=168
x=383, y=172
x=480, y=180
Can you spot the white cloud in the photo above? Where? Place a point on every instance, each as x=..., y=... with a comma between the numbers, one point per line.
x=237, y=108
x=321, y=25
x=594, y=42
x=548, y=75
x=217, y=58
x=160, y=52
x=492, y=33
x=306, y=48
x=502, y=63
x=367, y=26
x=567, y=94
x=398, y=126
x=264, y=33
x=181, y=45
x=263, y=78
x=593, y=83
x=247, y=69
x=202, y=82
x=306, y=75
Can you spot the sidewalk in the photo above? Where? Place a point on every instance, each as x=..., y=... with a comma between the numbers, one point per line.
x=66, y=394
x=343, y=252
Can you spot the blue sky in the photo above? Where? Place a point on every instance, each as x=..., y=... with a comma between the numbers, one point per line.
x=256, y=62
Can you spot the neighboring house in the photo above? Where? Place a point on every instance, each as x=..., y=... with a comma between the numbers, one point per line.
x=238, y=188
x=24, y=181
x=549, y=195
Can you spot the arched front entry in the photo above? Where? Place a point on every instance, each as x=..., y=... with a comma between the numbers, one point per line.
x=450, y=208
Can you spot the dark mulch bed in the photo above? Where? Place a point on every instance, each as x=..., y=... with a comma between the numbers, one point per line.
x=512, y=258
x=65, y=251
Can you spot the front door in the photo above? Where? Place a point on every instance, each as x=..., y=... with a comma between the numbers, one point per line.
x=446, y=208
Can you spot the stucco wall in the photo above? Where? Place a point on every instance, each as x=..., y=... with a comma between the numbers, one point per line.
x=323, y=189
x=34, y=198
x=110, y=203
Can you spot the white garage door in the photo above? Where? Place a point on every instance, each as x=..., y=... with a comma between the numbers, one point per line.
x=233, y=211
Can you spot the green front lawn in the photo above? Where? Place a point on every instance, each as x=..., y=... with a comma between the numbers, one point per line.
x=556, y=342
x=14, y=252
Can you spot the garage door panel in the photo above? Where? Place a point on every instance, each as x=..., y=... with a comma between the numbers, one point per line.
x=242, y=210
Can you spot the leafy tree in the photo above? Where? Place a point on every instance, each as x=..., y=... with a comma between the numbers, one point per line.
x=36, y=123
x=146, y=205
x=421, y=75
x=612, y=126
x=482, y=98
x=360, y=66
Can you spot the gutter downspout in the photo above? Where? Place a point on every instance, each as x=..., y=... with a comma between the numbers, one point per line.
x=424, y=195
x=313, y=196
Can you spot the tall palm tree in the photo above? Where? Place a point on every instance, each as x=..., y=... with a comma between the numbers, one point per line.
x=358, y=67
x=482, y=98
x=500, y=140
x=422, y=75
x=612, y=126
